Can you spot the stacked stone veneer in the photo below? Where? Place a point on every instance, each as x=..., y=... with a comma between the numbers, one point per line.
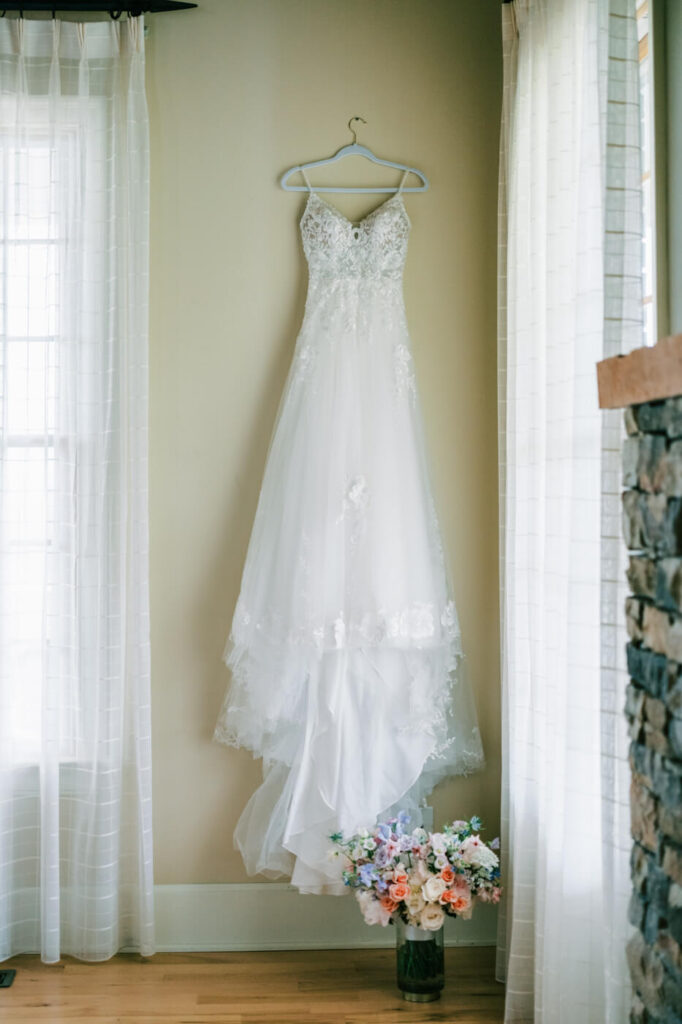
x=652, y=505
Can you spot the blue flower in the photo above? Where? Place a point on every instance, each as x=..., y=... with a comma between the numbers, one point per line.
x=402, y=822
x=367, y=874
x=476, y=823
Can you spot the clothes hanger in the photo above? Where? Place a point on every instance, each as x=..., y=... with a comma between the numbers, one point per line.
x=353, y=149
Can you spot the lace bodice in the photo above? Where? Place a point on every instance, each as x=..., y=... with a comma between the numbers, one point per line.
x=374, y=248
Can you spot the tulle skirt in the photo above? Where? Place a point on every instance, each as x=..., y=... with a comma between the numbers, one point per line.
x=345, y=648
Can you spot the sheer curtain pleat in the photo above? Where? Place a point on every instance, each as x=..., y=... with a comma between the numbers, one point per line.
x=75, y=734
x=570, y=294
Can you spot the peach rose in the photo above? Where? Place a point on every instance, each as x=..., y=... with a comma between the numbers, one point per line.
x=388, y=904
x=399, y=876
x=460, y=903
x=399, y=891
x=447, y=874
x=457, y=897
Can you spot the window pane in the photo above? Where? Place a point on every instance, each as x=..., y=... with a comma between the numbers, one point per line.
x=31, y=289
x=30, y=385
x=26, y=482
x=29, y=176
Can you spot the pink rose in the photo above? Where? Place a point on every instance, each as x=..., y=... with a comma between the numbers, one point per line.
x=399, y=891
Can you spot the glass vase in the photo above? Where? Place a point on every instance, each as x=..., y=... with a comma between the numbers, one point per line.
x=420, y=962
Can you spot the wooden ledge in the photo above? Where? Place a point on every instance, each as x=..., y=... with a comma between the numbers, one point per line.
x=644, y=375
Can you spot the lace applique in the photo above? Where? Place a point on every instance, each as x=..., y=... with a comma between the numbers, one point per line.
x=339, y=630
x=404, y=374
x=357, y=496
x=419, y=625
x=304, y=361
x=456, y=755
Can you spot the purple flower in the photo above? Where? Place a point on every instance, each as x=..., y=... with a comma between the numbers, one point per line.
x=381, y=857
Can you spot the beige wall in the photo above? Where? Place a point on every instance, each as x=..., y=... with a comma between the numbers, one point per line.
x=239, y=90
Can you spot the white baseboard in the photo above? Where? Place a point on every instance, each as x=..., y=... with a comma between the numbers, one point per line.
x=272, y=915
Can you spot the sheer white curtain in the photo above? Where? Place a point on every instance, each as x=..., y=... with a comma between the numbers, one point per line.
x=75, y=737
x=570, y=294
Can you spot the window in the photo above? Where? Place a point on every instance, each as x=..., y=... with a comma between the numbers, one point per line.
x=28, y=311
x=36, y=191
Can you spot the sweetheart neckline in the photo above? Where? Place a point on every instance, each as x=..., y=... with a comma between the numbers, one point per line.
x=358, y=223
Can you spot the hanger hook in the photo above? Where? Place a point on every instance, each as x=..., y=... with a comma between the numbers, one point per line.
x=352, y=130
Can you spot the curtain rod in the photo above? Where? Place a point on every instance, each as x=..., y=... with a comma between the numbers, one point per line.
x=113, y=7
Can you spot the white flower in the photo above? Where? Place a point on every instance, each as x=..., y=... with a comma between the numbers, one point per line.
x=473, y=851
x=415, y=902
x=441, y=861
x=438, y=842
x=369, y=843
x=420, y=873
x=433, y=888
x=432, y=917
x=372, y=911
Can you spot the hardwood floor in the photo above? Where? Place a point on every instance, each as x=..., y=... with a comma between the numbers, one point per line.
x=302, y=987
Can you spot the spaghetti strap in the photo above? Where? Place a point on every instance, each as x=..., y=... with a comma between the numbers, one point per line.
x=402, y=180
x=305, y=178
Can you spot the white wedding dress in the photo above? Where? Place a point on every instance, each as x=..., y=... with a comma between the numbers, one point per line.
x=345, y=646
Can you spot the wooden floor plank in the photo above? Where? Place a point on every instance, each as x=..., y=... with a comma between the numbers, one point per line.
x=293, y=987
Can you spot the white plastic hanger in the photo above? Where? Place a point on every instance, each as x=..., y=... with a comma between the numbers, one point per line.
x=353, y=149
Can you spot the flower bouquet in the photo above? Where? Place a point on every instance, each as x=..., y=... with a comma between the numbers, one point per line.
x=414, y=879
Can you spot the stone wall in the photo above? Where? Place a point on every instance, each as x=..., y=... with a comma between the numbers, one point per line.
x=652, y=507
